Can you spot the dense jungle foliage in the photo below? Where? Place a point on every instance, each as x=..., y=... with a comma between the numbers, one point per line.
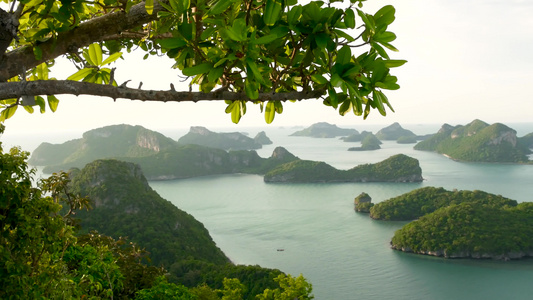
x=419, y=202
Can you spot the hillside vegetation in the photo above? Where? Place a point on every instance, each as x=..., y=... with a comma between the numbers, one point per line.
x=397, y=168
x=478, y=142
x=419, y=202
x=470, y=229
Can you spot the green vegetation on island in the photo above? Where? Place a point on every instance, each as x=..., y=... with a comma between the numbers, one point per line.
x=394, y=132
x=44, y=253
x=419, y=202
x=324, y=130
x=470, y=229
x=222, y=140
x=478, y=142
x=363, y=203
x=397, y=168
x=369, y=142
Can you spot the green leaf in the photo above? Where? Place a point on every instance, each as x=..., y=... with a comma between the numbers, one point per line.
x=95, y=53
x=53, y=102
x=345, y=107
x=111, y=58
x=393, y=63
x=172, y=43
x=28, y=108
x=385, y=16
x=149, y=6
x=251, y=88
x=257, y=74
x=42, y=105
x=219, y=7
x=344, y=55
x=215, y=74
x=236, y=112
x=272, y=12
x=378, y=102
x=349, y=18
x=322, y=40
x=37, y=52
x=294, y=14
x=8, y=113
x=333, y=99
x=265, y=39
x=185, y=4
x=318, y=78
x=369, y=23
x=199, y=69
x=270, y=112
x=81, y=74
x=336, y=80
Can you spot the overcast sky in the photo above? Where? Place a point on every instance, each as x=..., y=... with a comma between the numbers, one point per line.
x=468, y=59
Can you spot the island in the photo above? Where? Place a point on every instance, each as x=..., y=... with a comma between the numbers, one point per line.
x=262, y=138
x=478, y=142
x=324, y=130
x=222, y=140
x=397, y=168
x=370, y=142
x=459, y=224
x=419, y=202
x=394, y=132
x=470, y=230
x=363, y=203
x=162, y=158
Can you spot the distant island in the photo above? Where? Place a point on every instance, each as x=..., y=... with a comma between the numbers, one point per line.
x=397, y=168
x=228, y=141
x=324, y=130
x=363, y=203
x=395, y=132
x=459, y=224
x=419, y=202
x=162, y=158
x=370, y=142
x=479, y=142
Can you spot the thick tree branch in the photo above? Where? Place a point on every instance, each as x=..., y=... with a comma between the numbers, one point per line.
x=89, y=32
x=10, y=90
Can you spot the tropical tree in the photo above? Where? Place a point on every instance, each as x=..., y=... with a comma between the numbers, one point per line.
x=241, y=51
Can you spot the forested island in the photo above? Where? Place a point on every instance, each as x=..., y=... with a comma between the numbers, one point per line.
x=479, y=142
x=397, y=168
x=459, y=224
x=162, y=158
x=324, y=130
x=368, y=143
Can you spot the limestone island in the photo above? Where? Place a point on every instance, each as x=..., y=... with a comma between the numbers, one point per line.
x=459, y=224
x=479, y=142
x=370, y=142
x=324, y=130
x=363, y=203
x=394, y=132
x=397, y=168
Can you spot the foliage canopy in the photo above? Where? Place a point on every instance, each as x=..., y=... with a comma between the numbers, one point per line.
x=240, y=51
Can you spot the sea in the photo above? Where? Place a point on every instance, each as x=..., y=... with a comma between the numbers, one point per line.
x=313, y=230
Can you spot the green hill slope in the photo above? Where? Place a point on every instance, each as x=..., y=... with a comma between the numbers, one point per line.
x=125, y=205
x=397, y=168
x=477, y=142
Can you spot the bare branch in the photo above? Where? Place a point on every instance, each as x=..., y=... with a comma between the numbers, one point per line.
x=10, y=90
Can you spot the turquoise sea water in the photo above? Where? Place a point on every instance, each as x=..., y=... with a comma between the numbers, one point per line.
x=345, y=255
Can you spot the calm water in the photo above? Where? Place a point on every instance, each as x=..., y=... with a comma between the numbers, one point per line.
x=343, y=254
x=346, y=255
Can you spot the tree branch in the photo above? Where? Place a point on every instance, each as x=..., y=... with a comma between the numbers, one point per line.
x=9, y=90
x=86, y=33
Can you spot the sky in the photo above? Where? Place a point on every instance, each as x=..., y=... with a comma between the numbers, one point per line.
x=468, y=59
